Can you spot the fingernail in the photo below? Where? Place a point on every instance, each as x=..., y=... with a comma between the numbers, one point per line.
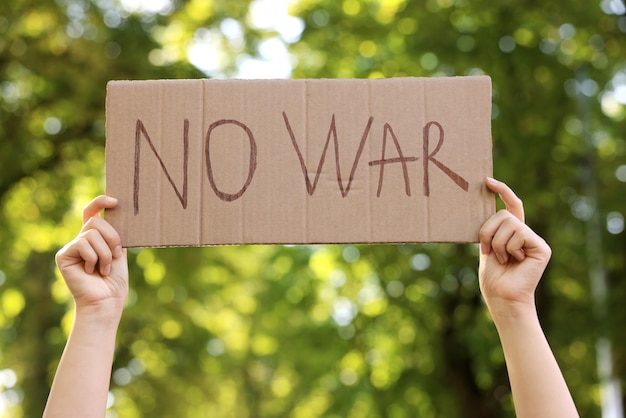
x=492, y=180
x=106, y=270
x=117, y=251
x=484, y=248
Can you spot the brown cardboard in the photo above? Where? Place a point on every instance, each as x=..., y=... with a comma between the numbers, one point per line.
x=209, y=162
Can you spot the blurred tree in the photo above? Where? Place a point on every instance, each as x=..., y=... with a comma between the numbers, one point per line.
x=312, y=331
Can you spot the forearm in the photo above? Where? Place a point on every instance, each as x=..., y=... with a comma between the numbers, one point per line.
x=81, y=383
x=538, y=387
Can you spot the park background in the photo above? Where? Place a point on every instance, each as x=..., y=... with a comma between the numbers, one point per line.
x=328, y=330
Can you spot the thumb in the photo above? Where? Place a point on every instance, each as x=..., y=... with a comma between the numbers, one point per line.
x=513, y=203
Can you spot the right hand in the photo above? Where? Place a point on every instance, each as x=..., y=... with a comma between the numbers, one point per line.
x=94, y=264
x=513, y=257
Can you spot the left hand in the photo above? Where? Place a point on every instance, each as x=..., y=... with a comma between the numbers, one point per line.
x=94, y=265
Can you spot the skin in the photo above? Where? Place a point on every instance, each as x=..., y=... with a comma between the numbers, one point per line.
x=512, y=261
x=95, y=270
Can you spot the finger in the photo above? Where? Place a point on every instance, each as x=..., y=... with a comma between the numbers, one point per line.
x=496, y=235
x=513, y=203
x=517, y=244
x=501, y=239
x=101, y=248
x=533, y=245
x=89, y=256
x=93, y=208
x=107, y=231
x=489, y=229
x=78, y=251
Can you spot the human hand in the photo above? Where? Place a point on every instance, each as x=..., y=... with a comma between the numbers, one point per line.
x=512, y=257
x=94, y=265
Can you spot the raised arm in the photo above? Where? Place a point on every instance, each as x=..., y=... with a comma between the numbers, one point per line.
x=95, y=270
x=512, y=261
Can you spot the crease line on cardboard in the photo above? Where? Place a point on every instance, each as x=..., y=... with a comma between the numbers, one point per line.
x=426, y=217
x=200, y=205
x=242, y=214
x=305, y=101
x=367, y=188
x=204, y=234
x=160, y=183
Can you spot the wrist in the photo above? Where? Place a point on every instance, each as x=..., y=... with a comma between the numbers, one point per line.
x=503, y=311
x=100, y=317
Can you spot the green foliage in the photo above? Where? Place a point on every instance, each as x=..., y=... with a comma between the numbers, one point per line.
x=314, y=331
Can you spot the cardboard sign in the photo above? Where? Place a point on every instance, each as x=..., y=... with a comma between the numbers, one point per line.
x=209, y=162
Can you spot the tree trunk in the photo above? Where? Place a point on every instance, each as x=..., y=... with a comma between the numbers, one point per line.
x=37, y=319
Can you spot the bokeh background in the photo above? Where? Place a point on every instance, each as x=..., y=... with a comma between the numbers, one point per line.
x=318, y=331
